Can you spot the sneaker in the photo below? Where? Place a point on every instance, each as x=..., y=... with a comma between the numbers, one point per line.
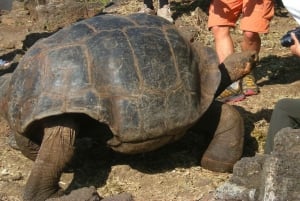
x=231, y=95
x=4, y=64
x=249, y=86
x=147, y=10
x=165, y=12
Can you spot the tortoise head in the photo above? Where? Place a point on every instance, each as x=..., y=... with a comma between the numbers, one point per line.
x=215, y=77
x=235, y=67
x=240, y=64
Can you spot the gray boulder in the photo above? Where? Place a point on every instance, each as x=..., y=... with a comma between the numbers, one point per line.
x=274, y=177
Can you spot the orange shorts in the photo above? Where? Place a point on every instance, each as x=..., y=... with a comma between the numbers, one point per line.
x=255, y=14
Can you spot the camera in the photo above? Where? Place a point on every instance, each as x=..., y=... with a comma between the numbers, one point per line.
x=287, y=41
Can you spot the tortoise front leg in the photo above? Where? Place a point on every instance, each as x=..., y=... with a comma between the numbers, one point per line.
x=226, y=147
x=55, y=153
x=224, y=129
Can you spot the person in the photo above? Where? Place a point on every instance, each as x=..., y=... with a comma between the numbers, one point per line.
x=294, y=10
x=255, y=20
x=163, y=10
x=286, y=111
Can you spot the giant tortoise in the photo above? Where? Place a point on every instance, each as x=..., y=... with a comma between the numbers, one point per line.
x=136, y=75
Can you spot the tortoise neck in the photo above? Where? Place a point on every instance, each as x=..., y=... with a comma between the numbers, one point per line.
x=225, y=81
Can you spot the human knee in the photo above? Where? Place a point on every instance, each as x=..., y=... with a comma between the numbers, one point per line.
x=251, y=36
x=220, y=31
x=282, y=102
x=282, y=105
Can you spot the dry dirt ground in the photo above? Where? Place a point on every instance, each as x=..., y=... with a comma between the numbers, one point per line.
x=173, y=172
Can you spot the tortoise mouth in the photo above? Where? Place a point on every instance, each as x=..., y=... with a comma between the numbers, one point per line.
x=248, y=68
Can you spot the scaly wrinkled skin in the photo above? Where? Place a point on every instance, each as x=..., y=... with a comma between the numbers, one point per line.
x=246, y=58
x=226, y=132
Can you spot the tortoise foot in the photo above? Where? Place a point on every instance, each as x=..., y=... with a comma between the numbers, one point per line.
x=215, y=165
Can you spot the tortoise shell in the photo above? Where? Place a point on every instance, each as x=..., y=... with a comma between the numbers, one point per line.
x=137, y=74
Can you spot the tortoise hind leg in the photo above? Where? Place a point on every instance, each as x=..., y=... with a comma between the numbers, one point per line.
x=30, y=143
x=226, y=146
x=28, y=147
x=55, y=153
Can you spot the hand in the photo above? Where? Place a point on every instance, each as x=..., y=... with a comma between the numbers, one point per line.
x=295, y=49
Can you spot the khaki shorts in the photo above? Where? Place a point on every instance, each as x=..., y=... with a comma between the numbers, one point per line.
x=255, y=14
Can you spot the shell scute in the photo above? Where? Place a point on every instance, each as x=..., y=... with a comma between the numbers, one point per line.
x=67, y=70
x=113, y=64
x=70, y=35
x=157, y=72
x=46, y=105
x=127, y=122
x=109, y=22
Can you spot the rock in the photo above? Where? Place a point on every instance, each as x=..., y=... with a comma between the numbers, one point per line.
x=120, y=197
x=273, y=177
x=87, y=194
x=51, y=15
x=90, y=194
